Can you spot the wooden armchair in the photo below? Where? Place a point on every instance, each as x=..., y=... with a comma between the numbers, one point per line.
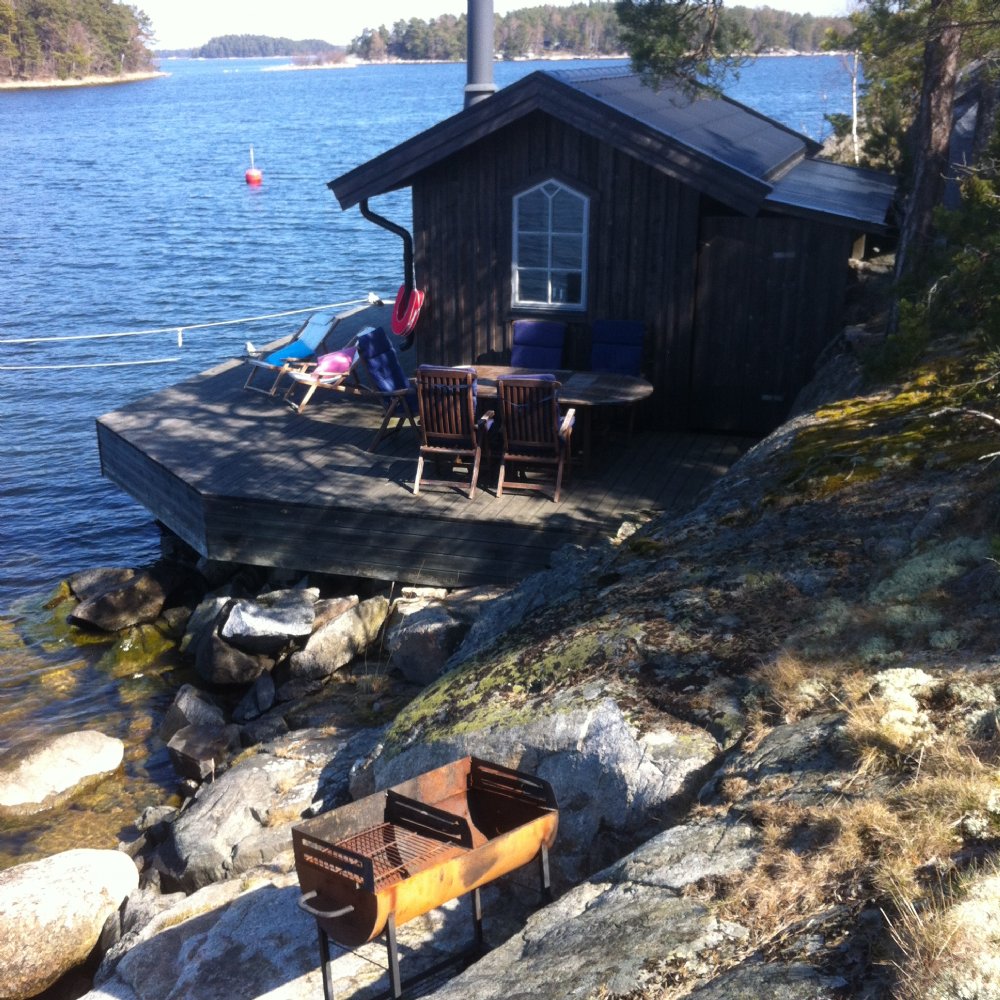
x=446, y=399
x=534, y=433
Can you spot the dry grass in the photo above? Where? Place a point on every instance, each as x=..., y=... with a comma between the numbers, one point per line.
x=898, y=842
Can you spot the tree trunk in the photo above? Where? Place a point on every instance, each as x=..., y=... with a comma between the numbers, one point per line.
x=932, y=133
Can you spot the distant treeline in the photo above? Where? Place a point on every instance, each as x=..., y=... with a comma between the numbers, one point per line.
x=580, y=29
x=261, y=47
x=71, y=38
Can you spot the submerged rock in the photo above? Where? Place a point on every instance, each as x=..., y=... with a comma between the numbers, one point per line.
x=44, y=774
x=115, y=599
x=52, y=912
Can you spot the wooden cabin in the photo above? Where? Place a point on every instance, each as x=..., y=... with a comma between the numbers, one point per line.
x=584, y=194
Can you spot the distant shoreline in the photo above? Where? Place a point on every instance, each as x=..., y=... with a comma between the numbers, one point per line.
x=54, y=83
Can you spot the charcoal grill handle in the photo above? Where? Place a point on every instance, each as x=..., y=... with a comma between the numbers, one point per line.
x=325, y=914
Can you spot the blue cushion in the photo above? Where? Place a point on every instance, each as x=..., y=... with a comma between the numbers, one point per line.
x=292, y=351
x=382, y=362
x=616, y=346
x=538, y=343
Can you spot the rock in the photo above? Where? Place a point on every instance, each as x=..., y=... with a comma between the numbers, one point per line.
x=267, y=624
x=772, y=981
x=421, y=639
x=123, y=927
x=190, y=707
x=263, y=729
x=600, y=939
x=803, y=762
x=119, y=600
x=52, y=912
x=257, y=700
x=333, y=607
x=42, y=775
x=90, y=583
x=613, y=792
x=198, y=752
x=219, y=663
x=202, y=621
x=244, y=817
x=341, y=640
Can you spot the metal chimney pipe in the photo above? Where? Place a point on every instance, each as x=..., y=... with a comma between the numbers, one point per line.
x=479, y=75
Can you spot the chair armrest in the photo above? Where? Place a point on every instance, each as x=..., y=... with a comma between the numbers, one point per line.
x=485, y=422
x=568, y=420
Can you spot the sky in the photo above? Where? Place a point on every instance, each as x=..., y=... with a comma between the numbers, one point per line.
x=182, y=24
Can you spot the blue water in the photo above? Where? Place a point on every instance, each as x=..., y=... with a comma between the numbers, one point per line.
x=124, y=208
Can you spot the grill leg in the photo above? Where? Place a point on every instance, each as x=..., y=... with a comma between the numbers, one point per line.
x=477, y=917
x=390, y=941
x=324, y=961
x=543, y=868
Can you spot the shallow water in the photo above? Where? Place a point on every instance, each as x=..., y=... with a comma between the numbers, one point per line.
x=125, y=209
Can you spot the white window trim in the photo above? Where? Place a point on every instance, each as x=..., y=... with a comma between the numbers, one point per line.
x=534, y=304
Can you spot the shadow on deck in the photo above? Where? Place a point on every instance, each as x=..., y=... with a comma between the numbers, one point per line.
x=243, y=478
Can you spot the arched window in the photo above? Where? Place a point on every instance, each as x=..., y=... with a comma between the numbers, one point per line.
x=550, y=247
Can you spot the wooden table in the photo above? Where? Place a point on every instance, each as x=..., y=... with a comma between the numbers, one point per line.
x=582, y=390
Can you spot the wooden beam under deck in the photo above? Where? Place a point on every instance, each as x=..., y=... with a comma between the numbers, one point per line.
x=241, y=477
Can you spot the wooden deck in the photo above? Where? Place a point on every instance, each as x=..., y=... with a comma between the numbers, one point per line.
x=242, y=478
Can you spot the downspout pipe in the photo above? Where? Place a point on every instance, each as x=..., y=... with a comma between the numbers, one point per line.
x=479, y=58
x=407, y=239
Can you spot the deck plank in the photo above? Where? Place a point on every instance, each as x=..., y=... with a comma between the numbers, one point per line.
x=242, y=477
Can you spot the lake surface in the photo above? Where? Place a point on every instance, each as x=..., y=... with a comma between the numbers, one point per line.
x=124, y=209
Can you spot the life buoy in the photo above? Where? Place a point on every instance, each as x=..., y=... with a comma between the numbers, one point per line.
x=406, y=312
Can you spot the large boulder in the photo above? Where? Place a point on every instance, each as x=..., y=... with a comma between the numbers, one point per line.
x=52, y=912
x=339, y=641
x=190, y=707
x=43, y=774
x=247, y=937
x=114, y=599
x=615, y=786
x=243, y=818
x=217, y=662
x=269, y=622
x=420, y=639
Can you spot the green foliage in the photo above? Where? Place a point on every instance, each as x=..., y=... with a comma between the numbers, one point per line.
x=900, y=351
x=71, y=38
x=688, y=38
x=259, y=47
x=590, y=29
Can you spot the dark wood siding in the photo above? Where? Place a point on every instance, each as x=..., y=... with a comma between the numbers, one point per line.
x=736, y=309
x=643, y=240
x=770, y=298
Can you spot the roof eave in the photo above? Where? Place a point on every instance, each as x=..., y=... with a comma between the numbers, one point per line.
x=540, y=92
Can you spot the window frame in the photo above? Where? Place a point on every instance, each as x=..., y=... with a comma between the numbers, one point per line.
x=551, y=304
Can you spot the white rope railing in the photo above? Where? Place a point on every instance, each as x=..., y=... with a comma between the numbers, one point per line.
x=371, y=298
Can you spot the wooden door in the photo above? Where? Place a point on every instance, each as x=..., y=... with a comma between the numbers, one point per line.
x=769, y=297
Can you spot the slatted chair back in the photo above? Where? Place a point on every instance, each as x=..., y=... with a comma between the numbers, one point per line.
x=537, y=343
x=446, y=400
x=534, y=432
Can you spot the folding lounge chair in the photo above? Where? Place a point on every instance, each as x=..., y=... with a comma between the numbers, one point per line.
x=448, y=427
x=335, y=370
x=387, y=381
x=534, y=434
x=300, y=348
x=537, y=343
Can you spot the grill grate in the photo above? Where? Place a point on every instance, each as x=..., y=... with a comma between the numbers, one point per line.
x=394, y=851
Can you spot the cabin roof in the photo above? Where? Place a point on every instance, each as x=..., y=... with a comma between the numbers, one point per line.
x=834, y=192
x=736, y=155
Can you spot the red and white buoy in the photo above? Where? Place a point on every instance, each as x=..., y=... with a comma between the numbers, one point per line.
x=253, y=175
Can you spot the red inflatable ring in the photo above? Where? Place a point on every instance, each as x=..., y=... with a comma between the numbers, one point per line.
x=406, y=312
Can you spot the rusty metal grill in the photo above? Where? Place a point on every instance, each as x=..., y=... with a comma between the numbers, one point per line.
x=392, y=850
